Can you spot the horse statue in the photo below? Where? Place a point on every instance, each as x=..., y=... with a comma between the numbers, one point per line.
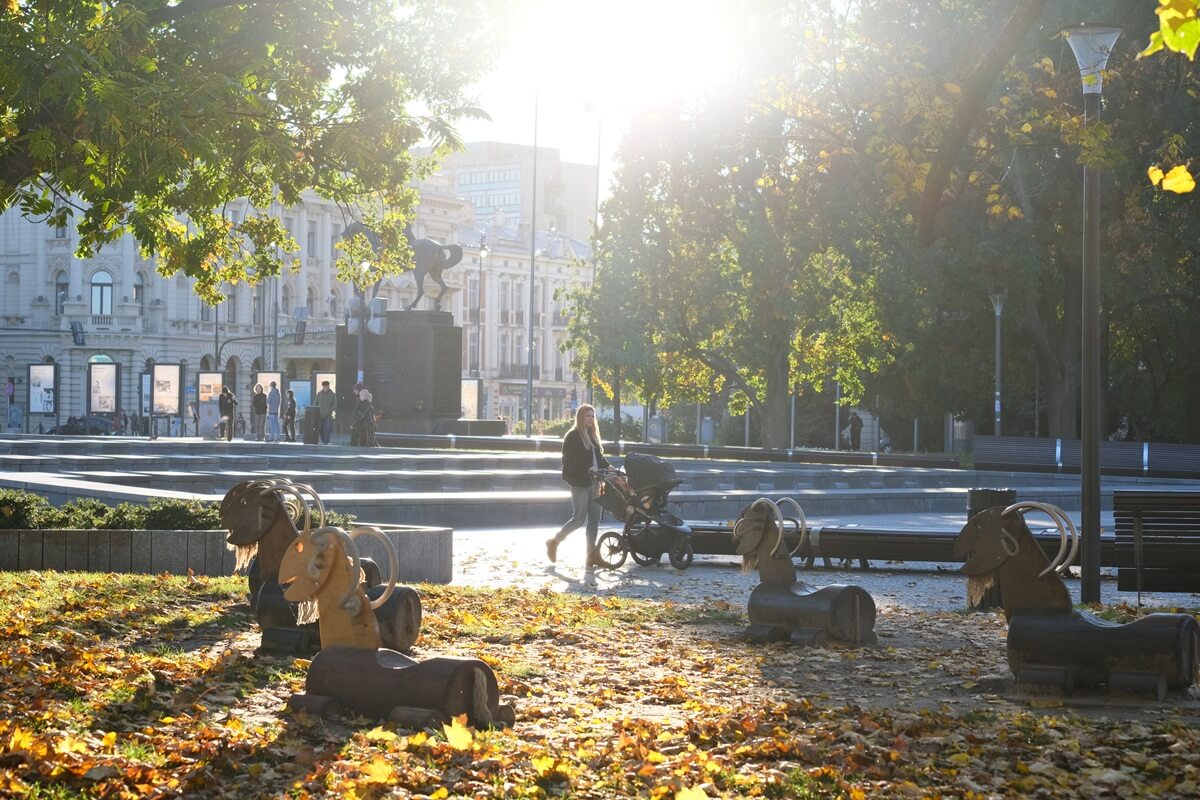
x=323, y=565
x=782, y=608
x=261, y=517
x=430, y=259
x=1049, y=643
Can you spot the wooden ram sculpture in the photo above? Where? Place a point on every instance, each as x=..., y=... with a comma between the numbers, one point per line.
x=783, y=608
x=261, y=517
x=1049, y=643
x=352, y=669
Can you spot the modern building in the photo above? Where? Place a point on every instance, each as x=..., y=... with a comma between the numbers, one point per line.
x=114, y=308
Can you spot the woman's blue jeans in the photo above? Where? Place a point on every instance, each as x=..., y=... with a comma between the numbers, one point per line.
x=585, y=508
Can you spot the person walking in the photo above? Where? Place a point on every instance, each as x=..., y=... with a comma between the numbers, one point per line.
x=258, y=412
x=582, y=456
x=326, y=403
x=274, y=401
x=289, y=416
x=856, y=426
x=226, y=404
x=362, y=429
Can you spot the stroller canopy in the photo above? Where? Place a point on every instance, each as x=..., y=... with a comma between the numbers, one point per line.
x=645, y=470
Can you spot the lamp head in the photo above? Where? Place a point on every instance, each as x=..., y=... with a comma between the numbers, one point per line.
x=1092, y=45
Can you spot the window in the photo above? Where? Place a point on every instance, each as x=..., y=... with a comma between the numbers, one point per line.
x=205, y=311
x=102, y=293
x=139, y=293
x=310, y=303
x=60, y=292
x=256, y=307
x=311, y=249
x=333, y=305
x=231, y=309
x=287, y=300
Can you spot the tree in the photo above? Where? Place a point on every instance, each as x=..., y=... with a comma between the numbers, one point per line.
x=148, y=117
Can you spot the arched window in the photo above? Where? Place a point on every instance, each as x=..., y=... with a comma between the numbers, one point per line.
x=205, y=364
x=100, y=358
x=231, y=310
x=335, y=304
x=287, y=300
x=102, y=293
x=311, y=301
x=231, y=372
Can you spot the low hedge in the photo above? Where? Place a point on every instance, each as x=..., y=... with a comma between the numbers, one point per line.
x=21, y=510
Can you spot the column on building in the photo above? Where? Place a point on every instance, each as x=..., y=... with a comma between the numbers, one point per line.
x=325, y=248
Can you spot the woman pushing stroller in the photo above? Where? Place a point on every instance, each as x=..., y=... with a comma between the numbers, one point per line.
x=582, y=456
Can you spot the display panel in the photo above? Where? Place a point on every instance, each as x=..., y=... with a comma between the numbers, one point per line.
x=43, y=388
x=265, y=379
x=166, y=386
x=303, y=393
x=104, y=386
x=472, y=396
x=208, y=386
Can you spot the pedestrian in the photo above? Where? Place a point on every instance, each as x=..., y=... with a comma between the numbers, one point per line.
x=289, y=416
x=120, y=422
x=274, y=401
x=226, y=404
x=195, y=409
x=362, y=429
x=326, y=405
x=582, y=457
x=856, y=426
x=258, y=412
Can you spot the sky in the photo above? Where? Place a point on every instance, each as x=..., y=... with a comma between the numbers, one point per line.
x=591, y=64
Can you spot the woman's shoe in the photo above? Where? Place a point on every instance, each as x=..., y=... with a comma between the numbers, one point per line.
x=552, y=550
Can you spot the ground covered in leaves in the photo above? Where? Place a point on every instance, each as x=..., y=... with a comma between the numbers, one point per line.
x=144, y=686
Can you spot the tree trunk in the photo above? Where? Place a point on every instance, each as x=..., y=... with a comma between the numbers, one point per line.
x=617, y=404
x=777, y=407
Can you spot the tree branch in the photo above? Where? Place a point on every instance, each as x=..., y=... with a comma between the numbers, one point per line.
x=187, y=8
x=975, y=93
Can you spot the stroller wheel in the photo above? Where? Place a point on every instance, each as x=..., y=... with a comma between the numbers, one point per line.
x=610, y=550
x=680, y=553
x=646, y=560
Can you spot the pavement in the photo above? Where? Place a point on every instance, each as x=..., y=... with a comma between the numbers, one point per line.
x=516, y=557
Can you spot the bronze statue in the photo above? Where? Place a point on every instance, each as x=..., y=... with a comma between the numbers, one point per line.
x=1051, y=644
x=431, y=259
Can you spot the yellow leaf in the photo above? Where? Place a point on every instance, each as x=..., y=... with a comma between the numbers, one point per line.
x=1026, y=128
x=439, y=793
x=417, y=739
x=962, y=759
x=379, y=770
x=1015, y=213
x=381, y=735
x=655, y=757
x=543, y=764
x=109, y=739
x=1179, y=180
x=1155, y=175
x=952, y=88
x=691, y=793
x=458, y=734
x=857, y=793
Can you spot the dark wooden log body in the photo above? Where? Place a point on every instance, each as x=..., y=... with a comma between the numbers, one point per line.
x=810, y=614
x=374, y=682
x=1094, y=650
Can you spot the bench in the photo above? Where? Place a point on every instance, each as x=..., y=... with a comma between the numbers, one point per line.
x=1158, y=540
x=840, y=543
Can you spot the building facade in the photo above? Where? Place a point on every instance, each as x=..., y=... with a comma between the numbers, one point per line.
x=114, y=308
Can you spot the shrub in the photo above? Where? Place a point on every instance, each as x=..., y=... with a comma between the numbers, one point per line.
x=83, y=513
x=21, y=510
x=182, y=515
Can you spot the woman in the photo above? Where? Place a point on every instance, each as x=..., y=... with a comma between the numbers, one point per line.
x=581, y=455
x=289, y=416
x=258, y=412
x=362, y=429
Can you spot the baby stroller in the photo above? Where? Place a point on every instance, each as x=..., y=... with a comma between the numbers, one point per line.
x=638, y=497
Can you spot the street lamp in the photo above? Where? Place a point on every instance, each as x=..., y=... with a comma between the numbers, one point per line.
x=483, y=254
x=998, y=299
x=1091, y=45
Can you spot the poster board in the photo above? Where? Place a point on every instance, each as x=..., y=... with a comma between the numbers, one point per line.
x=208, y=386
x=144, y=395
x=43, y=389
x=472, y=398
x=303, y=393
x=318, y=378
x=104, y=387
x=265, y=379
x=166, y=389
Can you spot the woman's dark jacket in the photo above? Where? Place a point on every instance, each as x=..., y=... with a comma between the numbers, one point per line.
x=258, y=403
x=577, y=460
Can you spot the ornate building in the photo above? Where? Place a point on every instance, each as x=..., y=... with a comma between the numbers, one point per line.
x=115, y=308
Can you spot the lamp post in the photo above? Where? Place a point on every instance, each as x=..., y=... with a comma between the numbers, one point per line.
x=532, y=272
x=483, y=254
x=998, y=299
x=1091, y=45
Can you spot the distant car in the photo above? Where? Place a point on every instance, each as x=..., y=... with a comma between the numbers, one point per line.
x=85, y=426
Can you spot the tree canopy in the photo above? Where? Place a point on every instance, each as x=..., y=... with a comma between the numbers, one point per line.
x=149, y=117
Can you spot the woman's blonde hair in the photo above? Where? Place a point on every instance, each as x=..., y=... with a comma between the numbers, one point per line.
x=590, y=436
